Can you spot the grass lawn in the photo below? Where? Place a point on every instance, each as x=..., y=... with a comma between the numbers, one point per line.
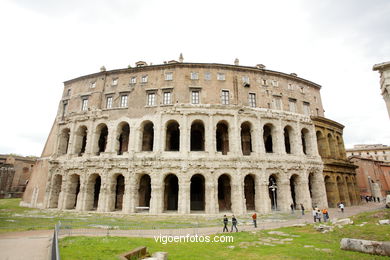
x=245, y=246
x=16, y=218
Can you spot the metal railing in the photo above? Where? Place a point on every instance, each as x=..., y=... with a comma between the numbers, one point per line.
x=55, y=251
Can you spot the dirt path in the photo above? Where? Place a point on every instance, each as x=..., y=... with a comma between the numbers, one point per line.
x=36, y=244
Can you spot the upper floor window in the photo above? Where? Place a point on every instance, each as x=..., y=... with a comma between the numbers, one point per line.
x=225, y=97
x=167, y=98
x=64, y=108
x=195, y=96
x=277, y=103
x=245, y=79
x=109, y=102
x=220, y=76
x=169, y=76
x=144, y=79
x=133, y=80
x=194, y=75
x=264, y=82
x=292, y=105
x=84, y=104
x=252, y=99
x=93, y=84
x=114, y=82
x=207, y=75
x=124, y=99
x=290, y=86
x=302, y=89
x=151, y=99
x=306, y=108
x=68, y=92
x=275, y=83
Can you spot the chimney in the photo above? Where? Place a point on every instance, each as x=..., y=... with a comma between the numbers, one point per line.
x=236, y=62
x=102, y=68
x=181, y=59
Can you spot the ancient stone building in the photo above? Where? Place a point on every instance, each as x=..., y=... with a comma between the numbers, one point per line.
x=14, y=175
x=186, y=138
x=384, y=70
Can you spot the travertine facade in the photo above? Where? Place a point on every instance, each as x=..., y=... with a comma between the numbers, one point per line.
x=384, y=70
x=183, y=137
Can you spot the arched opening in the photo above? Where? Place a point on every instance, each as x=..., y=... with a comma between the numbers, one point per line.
x=64, y=141
x=197, y=136
x=287, y=134
x=321, y=143
x=147, y=137
x=222, y=135
x=340, y=186
x=102, y=134
x=123, y=138
x=55, y=191
x=197, y=192
x=171, y=192
x=350, y=191
x=294, y=189
x=246, y=138
x=93, y=192
x=172, y=139
x=332, y=147
x=305, y=141
x=267, y=137
x=224, y=193
x=311, y=179
x=249, y=191
x=119, y=191
x=81, y=140
x=144, y=191
x=330, y=192
x=340, y=146
x=73, y=191
x=273, y=191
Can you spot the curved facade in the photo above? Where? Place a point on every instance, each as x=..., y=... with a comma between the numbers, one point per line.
x=185, y=138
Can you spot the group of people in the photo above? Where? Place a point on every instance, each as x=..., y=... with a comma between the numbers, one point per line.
x=234, y=222
x=318, y=214
x=371, y=198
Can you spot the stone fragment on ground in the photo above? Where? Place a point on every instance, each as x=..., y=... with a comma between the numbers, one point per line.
x=323, y=228
x=365, y=246
x=343, y=221
x=384, y=221
x=279, y=233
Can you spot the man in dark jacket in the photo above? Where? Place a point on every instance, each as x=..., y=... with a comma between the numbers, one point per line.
x=234, y=224
x=225, y=222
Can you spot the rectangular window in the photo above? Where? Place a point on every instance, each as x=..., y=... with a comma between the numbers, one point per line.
x=292, y=105
x=194, y=75
x=252, y=100
x=302, y=90
x=133, y=80
x=264, y=82
x=93, y=84
x=278, y=103
x=84, y=104
x=124, y=100
x=109, y=102
x=167, y=98
x=114, y=82
x=245, y=79
x=306, y=108
x=275, y=83
x=151, y=99
x=220, y=76
x=169, y=76
x=225, y=97
x=144, y=79
x=207, y=75
x=64, y=108
x=290, y=86
x=68, y=93
x=195, y=97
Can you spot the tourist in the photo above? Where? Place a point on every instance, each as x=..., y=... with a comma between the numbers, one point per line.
x=318, y=215
x=314, y=215
x=225, y=222
x=302, y=209
x=254, y=218
x=341, y=206
x=325, y=215
x=234, y=224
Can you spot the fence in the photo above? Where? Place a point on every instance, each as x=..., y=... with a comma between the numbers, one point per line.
x=55, y=251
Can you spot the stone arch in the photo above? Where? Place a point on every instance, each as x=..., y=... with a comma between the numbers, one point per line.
x=250, y=191
x=197, y=136
x=269, y=142
x=287, y=132
x=322, y=144
x=93, y=192
x=222, y=137
x=350, y=190
x=56, y=184
x=306, y=142
x=171, y=192
x=340, y=146
x=101, y=137
x=246, y=138
x=197, y=192
x=147, y=136
x=81, y=140
x=144, y=191
x=122, y=138
x=172, y=137
x=273, y=190
x=224, y=193
x=119, y=189
x=63, y=143
x=340, y=186
x=332, y=146
x=73, y=191
x=331, y=192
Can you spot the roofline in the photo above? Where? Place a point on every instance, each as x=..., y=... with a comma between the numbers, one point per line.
x=327, y=121
x=187, y=64
x=381, y=66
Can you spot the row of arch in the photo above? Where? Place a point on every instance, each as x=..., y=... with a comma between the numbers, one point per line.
x=341, y=189
x=292, y=141
x=87, y=195
x=330, y=145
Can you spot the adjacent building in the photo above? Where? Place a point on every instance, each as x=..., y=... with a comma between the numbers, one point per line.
x=378, y=152
x=384, y=70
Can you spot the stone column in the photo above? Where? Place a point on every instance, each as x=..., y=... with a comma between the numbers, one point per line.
x=129, y=196
x=157, y=196
x=234, y=137
x=184, y=196
x=283, y=193
x=185, y=136
x=111, y=139
x=211, y=196
x=72, y=138
x=302, y=193
x=278, y=138
x=105, y=194
x=237, y=194
x=62, y=195
x=347, y=201
x=296, y=142
x=159, y=132
x=82, y=198
x=90, y=139
x=210, y=136
x=259, y=135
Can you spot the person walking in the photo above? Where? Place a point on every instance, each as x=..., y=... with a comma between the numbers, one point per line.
x=254, y=218
x=234, y=224
x=325, y=215
x=302, y=209
x=318, y=215
x=314, y=212
x=225, y=222
x=341, y=206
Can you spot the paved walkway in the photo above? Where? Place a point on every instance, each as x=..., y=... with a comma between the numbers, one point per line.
x=36, y=244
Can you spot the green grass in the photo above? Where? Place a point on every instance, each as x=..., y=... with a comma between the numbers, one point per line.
x=110, y=247
x=16, y=218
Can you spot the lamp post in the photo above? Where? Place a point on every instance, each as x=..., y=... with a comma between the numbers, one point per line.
x=273, y=188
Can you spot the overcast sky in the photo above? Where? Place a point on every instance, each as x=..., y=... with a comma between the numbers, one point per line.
x=332, y=43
